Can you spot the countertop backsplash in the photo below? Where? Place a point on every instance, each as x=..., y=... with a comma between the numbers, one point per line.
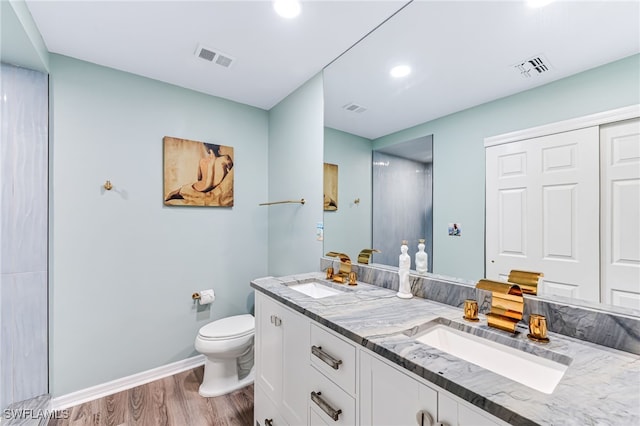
x=616, y=328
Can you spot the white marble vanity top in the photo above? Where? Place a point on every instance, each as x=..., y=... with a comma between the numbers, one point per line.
x=601, y=386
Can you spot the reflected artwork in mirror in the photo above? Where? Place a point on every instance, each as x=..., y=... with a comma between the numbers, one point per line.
x=466, y=86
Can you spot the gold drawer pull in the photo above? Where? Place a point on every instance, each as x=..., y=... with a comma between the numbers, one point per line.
x=325, y=357
x=324, y=405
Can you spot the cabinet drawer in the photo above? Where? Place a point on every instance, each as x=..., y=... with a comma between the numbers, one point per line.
x=330, y=398
x=264, y=412
x=335, y=357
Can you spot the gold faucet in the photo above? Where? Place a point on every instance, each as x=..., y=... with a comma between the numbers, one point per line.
x=344, y=273
x=528, y=281
x=365, y=255
x=507, y=304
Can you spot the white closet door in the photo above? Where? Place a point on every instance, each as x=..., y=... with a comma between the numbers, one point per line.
x=542, y=208
x=620, y=176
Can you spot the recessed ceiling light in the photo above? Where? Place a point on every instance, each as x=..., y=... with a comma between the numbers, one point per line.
x=538, y=3
x=400, y=71
x=287, y=8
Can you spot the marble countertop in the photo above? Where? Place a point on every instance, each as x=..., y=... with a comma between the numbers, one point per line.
x=600, y=387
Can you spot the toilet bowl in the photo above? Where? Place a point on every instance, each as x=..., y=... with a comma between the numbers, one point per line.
x=225, y=343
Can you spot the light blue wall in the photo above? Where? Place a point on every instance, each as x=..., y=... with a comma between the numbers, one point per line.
x=295, y=171
x=123, y=266
x=349, y=227
x=458, y=142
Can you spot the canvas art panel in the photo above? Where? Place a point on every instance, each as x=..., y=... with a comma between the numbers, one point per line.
x=454, y=229
x=330, y=187
x=197, y=173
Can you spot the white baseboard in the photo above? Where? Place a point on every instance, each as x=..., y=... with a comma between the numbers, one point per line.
x=118, y=385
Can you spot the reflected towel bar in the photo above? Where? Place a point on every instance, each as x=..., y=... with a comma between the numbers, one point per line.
x=301, y=201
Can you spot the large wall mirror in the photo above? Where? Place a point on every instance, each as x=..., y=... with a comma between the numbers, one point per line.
x=473, y=75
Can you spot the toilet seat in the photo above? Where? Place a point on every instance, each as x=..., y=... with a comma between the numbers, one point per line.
x=228, y=328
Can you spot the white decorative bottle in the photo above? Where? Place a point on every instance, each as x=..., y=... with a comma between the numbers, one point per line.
x=422, y=259
x=404, y=264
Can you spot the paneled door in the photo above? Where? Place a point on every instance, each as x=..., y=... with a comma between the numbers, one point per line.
x=620, y=177
x=542, y=211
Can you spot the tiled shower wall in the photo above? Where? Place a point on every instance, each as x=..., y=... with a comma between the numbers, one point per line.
x=23, y=234
x=402, y=207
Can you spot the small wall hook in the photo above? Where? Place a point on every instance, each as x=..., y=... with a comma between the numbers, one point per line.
x=356, y=201
x=108, y=186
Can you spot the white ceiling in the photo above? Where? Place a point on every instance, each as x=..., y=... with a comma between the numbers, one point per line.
x=462, y=52
x=157, y=39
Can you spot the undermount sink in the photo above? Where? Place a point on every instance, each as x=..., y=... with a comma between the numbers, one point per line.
x=529, y=369
x=314, y=289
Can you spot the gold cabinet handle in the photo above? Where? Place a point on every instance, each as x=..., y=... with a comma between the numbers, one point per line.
x=324, y=405
x=325, y=357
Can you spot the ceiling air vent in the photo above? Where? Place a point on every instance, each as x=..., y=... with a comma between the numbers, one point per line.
x=537, y=65
x=354, y=108
x=215, y=56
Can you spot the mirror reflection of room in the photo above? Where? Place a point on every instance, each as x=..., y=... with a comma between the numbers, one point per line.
x=363, y=101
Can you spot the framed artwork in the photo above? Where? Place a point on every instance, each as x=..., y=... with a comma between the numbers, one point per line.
x=455, y=229
x=330, y=187
x=197, y=173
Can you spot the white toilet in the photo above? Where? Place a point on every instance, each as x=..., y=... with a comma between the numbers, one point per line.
x=224, y=343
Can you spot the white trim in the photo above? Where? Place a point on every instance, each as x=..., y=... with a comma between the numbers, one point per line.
x=625, y=113
x=124, y=383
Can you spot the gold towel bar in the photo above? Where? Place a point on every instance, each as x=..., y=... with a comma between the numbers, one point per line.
x=301, y=201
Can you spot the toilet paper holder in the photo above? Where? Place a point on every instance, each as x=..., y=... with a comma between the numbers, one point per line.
x=204, y=297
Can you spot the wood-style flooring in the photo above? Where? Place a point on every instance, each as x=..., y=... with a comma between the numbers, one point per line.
x=172, y=401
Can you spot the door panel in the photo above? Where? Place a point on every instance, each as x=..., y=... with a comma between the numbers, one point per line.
x=620, y=180
x=542, y=203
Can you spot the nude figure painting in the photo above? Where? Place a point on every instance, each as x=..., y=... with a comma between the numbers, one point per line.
x=197, y=173
x=330, y=187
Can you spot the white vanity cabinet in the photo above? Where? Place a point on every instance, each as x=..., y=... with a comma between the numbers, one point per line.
x=282, y=363
x=332, y=397
x=392, y=396
x=307, y=374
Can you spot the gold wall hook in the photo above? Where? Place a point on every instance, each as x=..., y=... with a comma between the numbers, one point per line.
x=108, y=186
x=356, y=201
